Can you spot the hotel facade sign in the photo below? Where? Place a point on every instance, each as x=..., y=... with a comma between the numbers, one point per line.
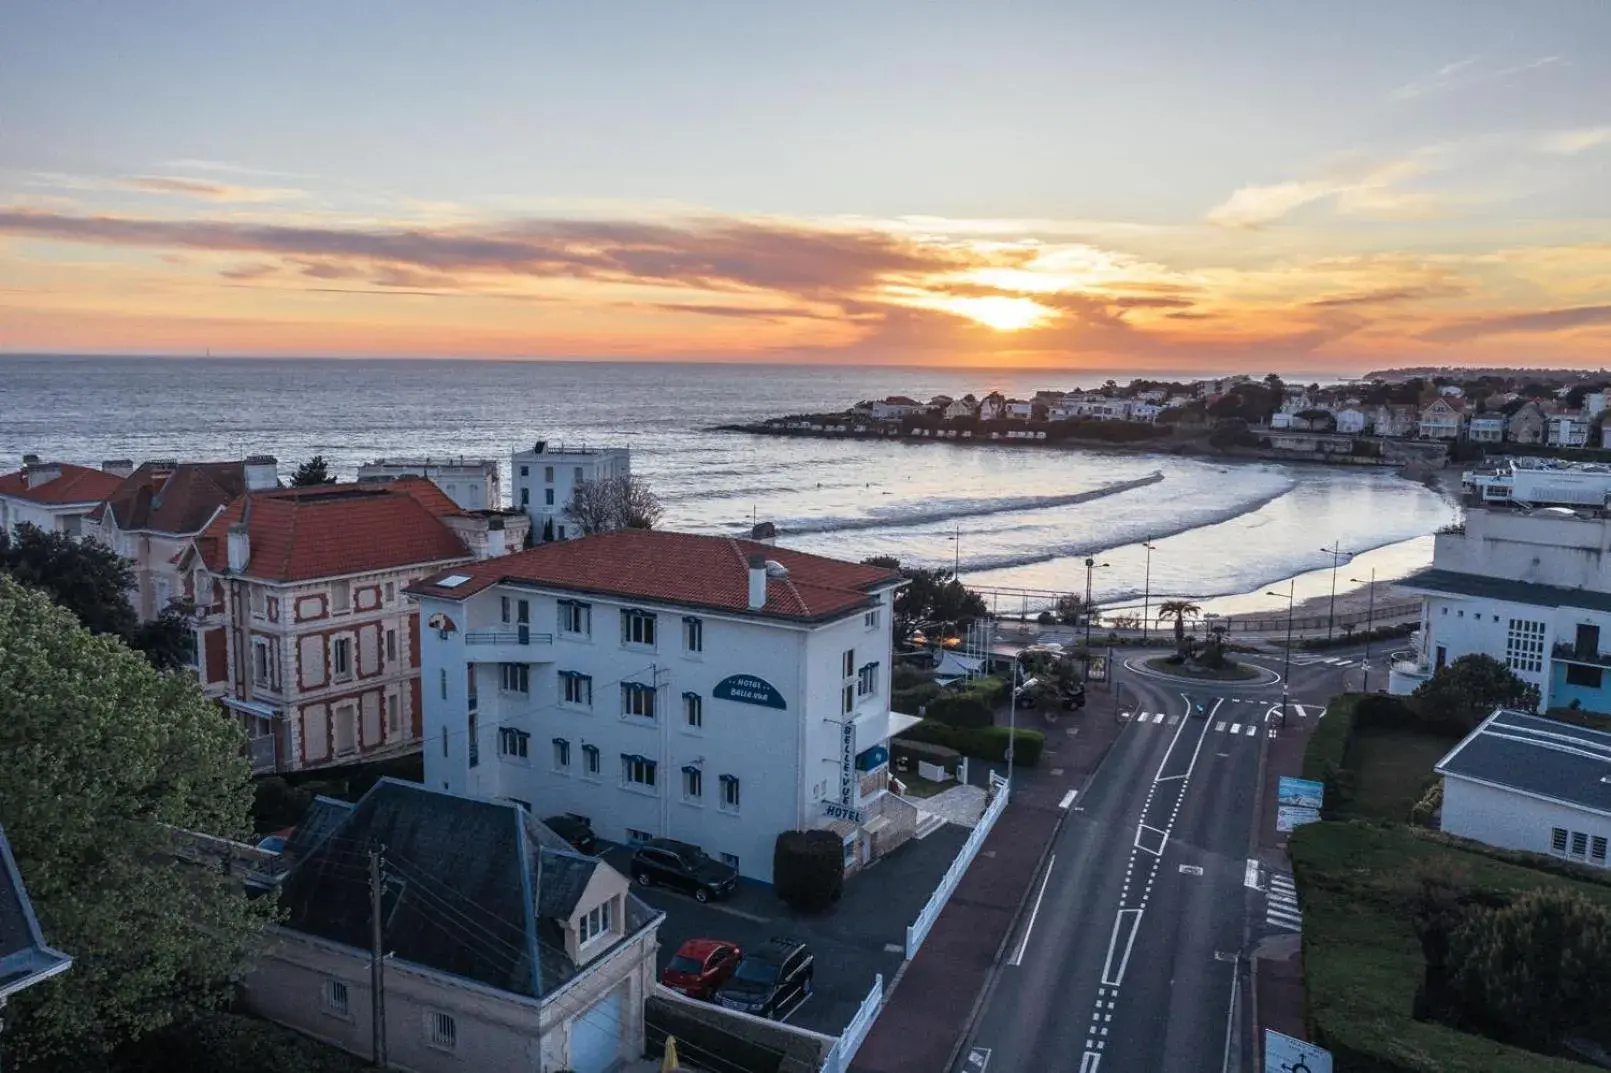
x=748, y=689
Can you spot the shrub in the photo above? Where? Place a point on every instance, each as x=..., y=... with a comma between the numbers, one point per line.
x=234, y=1042
x=808, y=869
x=984, y=743
x=928, y=752
x=906, y=676
x=1326, y=758
x=959, y=710
x=912, y=698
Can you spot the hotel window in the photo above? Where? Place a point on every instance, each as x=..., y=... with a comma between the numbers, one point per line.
x=393, y=726
x=848, y=664
x=637, y=628
x=562, y=755
x=514, y=677
x=503, y=608
x=693, y=783
x=870, y=619
x=335, y=998
x=473, y=735
x=341, y=658
x=1580, y=844
x=525, y=471
x=693, y=710
x=525, y=497
x=391, y=646
x=471, y=696
x=444, y=741
x=575, y=618
x=255, y=598
x=1524, y=645
x=514, y=743
x=849, y=701
x=548, y=496
x=443, y=1030
x=1557, y=840
x=1597, y=849
x=594, y=923
x=548, y=474
x=637, y=770
x=590, y=760
x=260, y=663
x=577, y=689
x=391, y=591
x=867, y=680
x=340, y=596
x=637, y=699
x=729, y=792
x=576, y=475
x=693, y=634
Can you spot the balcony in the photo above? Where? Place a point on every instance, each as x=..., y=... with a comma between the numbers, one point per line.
x=1566, y=652
x=516, y=644
x=260, y=751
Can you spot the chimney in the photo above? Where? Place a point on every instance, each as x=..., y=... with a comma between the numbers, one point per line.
x=764, y=533
x=497, y=538
x=262, y=473
x=538, y=447
x=757, y=582
x=39, y=473
x=240, y=548
x=30, y=460
x=118, y=467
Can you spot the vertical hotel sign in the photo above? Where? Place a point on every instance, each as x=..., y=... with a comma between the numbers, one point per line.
x=847, y=764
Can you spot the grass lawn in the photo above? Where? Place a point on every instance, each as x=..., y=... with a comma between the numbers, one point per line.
x=1231, y=672
x=1363, y=962
x=1394, y=768
x=917, y=786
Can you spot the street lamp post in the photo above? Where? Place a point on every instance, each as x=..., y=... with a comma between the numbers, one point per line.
x=956, y=553
x=1146, y=590
x=1335, y=551
x=1370, y=616
x=1090, y=566
x=1290, y=596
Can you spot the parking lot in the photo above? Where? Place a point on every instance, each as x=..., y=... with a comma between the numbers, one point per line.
x=863, y=935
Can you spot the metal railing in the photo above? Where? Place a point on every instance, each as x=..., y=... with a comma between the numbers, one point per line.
x=519, y=636
x=844, y=1049
x=1566, y=650
x=918, y=930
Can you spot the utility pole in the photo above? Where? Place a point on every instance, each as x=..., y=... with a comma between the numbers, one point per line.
x=956, y=553
x=1370, y=621
x=1146, y=591
x=1335, y=551
x=1090, y=565
x=377, y=960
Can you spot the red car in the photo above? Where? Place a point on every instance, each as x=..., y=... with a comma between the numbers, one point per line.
x=701, y=966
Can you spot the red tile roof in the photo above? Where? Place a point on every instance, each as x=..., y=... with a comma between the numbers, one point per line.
x=77, y=484
x=678, y=568
x=175, y=499
x=329, y=530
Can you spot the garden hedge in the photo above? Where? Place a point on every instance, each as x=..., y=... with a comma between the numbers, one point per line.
x=984, y=743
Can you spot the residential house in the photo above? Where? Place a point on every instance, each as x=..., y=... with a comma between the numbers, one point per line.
x=472, y=483
x=702, y=688
x=55, y=496
x=25, y=959
x=895, y=407
x=1018, y=410
x=1486, y=428
x=1143, y=411
x=306, y=634
x=1568, y=428
x=546, y=477
x=1529, y=424
x=1106, y=409
x=505, y=948
x=965, y=407
x=158, y=509
x=1523, y=782
x=1443, y=418
x=993, y=407
x=1352, y=421
x=1397, y=420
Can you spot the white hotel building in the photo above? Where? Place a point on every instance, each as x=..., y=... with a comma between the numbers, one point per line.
x=702, y=688
x=545, y=477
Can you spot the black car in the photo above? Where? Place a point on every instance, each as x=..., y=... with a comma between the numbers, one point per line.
x=771, y=980
x=682, y=866
x=577, y=830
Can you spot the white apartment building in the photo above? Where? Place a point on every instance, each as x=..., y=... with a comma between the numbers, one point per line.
x=1540, y=482
x=56, y=496
x=702, y=688
x=1568, y=429
x=544, y=478
x=1486, y=428
x=472, y=483
x=1529, y=589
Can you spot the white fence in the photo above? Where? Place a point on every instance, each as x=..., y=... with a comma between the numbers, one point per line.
x=918, y=930
x=844, y=1051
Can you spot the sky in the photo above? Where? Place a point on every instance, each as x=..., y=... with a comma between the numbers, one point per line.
x=1168, y=185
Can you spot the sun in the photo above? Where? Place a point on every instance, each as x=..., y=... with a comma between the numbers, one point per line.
x=1002, y=313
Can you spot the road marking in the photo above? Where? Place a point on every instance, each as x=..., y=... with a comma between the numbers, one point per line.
x=1191, y=869
x=1128, y=920
x=1251, y=730
x=1158, y=718
x=1272, y=733
x=1250, y=875
x=1236, y=728
x=1333, y=659
x=1018, y=959
x=1089, y=1061
x=978, y=1059
x=1163, y=839
x=1281, y=904
x=1219, y=727
x=1068, y=799
x=1230, y=1017
x=1173, y=719
x=730, y=911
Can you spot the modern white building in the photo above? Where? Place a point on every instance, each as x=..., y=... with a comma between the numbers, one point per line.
x=1540, y=482
x=1568, y=429
x=702, y=688
x=1526, y=783
x=1486, y=428
x=1351, y=420
x=544, y=478
x=1528, y=588
x=472, y=483
x=895, y=407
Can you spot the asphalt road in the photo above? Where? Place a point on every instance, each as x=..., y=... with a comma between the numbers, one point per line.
x=1129, y=959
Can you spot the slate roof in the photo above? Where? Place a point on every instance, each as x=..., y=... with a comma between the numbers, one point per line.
x=177, y=499
x=76, y=484
x=685, y=569
x=461, y=873
x=298, y=534
x=1533, y=755
x=1481, y=586
x=24, y=958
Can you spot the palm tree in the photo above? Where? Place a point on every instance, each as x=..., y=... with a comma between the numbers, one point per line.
x=1180, y=611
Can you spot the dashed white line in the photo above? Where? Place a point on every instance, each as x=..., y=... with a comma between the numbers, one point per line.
x=1068, y=799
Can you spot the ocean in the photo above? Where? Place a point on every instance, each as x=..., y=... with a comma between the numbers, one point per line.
x=1018, y=517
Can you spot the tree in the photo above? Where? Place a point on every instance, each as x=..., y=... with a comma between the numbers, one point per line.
x=614, y=503
x=1180, y=611
x=168, y=641
x=315, y=470
x=1465, y=692
x=930, y=597
x=808, y=868
x=99, y=752
x=1068, y=609
x=1536, y=970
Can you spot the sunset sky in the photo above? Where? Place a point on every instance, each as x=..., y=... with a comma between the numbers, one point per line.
x=1164, y=185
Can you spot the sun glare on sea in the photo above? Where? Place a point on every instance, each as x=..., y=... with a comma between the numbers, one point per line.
x=1000, y=312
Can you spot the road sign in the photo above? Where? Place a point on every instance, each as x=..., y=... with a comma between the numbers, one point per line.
x=1289, y=817
x=1301, y=793
x=1283, y=1054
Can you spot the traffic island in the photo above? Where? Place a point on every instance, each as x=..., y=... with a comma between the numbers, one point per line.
x=1228, y=670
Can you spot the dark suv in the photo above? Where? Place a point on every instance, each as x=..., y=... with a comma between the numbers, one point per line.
x=771, y=980
x=682, y=866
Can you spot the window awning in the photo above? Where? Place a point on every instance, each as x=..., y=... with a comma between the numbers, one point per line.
x=690, y=694
x=636, y=758
x=574, y=674
x=727, y=778
x=691, y=769
x=561, y=741
x=250, y=707
x=586, y=748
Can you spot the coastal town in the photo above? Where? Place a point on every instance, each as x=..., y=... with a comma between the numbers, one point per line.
x=721, y=765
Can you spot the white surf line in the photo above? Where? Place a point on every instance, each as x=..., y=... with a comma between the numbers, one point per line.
x=1018, y=958
x=1068, y=799
x=1112, y=977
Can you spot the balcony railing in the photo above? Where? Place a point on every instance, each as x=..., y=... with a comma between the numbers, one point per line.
x=1567, y=652
x=518, y=636
x=261, y=753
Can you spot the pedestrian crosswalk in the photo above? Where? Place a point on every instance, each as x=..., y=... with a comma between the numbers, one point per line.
x=1237, y=728
x=1281, y=903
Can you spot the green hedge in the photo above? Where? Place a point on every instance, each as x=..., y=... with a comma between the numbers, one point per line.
x=984, y=743
x=1329, y=757
x=913, y=698
x=944, y=755
x=1363, y=963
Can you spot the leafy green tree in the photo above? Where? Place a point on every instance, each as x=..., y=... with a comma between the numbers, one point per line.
x=930, y=596
x=315, y=470
x=98, y=752
x=1465, y=692
x=1535, y=971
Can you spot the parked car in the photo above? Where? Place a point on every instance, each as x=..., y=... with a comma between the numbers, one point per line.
x=683, y=867
x=770, y=981
x=701, y=966
x=577, y=830
x=1027, y=695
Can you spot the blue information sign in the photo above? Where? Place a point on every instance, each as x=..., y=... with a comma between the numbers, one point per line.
x=748, y=689
x=1283, y=1054
x=1300, y=793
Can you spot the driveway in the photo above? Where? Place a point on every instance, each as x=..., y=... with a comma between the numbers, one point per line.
x=865, y=934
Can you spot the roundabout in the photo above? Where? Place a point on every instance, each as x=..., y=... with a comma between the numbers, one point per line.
x=1248, y=675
